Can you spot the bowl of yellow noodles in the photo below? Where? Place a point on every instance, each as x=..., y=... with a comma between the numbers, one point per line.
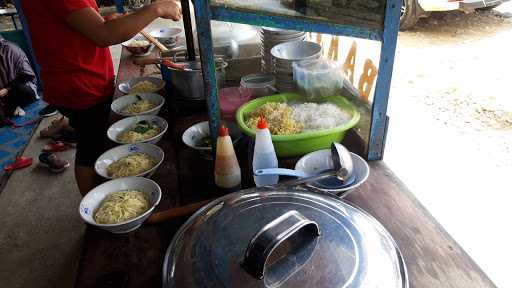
x=138, y=104
x=138, y=129
x=130, y=160
x=142, y=85
x=120, y=205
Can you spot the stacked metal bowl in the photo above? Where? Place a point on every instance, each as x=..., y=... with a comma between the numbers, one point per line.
x=283, y=56
x=271, y=37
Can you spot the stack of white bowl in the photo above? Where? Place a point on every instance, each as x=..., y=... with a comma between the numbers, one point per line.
x=283, y=56
x=271, y=37
x=93, y=200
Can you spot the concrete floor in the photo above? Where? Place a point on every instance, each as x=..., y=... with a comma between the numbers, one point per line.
x=41, y=231
x=41, y=234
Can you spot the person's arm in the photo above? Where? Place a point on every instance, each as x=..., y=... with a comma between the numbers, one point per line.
x=113, y=16
x=103, y=33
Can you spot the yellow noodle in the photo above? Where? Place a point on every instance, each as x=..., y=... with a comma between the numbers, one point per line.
x=138, y=107
x=129, y=136
x=279, y=117
x=121, y=206
x=143, y=87
x=131, y=165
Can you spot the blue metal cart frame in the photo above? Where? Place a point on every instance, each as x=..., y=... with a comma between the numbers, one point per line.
x=26, y=32
x=204, y=13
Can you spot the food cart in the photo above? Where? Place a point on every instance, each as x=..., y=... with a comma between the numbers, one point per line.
x=432, y=257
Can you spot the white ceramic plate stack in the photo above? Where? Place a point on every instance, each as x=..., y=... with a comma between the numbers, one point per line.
x=283, y=56
x=271, y=37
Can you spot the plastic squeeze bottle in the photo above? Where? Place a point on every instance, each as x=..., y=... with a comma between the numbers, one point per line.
x=227, y=169
x=264, y=155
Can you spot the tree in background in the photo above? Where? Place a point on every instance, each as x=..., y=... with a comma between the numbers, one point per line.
x=4, y=3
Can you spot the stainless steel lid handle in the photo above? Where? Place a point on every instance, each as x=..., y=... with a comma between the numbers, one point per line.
x=291, y=230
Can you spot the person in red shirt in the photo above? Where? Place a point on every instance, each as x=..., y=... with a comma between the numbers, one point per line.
x=70, y=41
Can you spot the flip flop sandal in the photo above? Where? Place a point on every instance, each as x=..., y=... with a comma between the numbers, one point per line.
x=56, y=147
x=55, y=128
x=54, y=163
x=20, y=163
x=68, y=137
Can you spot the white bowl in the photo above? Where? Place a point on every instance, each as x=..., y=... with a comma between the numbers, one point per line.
x=93, y=199
x=138, y=51
x=296, y=51
x=120, y=103
x=116, y=153
x=321, y=160
x=125, y=87
x=126, y=123
x=167, y=36
x=198, y=131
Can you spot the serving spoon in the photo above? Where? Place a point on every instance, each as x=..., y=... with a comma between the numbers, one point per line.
x=343, y=168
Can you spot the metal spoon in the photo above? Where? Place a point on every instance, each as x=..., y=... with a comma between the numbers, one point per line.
x=343, y=168
x=282, y=172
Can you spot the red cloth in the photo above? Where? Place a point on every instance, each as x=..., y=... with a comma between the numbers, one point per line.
x=76, y=74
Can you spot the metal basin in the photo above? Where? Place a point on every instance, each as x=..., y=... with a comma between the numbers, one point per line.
x=187, y=84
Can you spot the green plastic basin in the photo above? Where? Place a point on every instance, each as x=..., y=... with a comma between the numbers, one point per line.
x=303, y=143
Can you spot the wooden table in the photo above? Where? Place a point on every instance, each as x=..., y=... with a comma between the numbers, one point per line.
x=433, y=258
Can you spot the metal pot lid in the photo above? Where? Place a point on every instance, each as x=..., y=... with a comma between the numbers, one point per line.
x=283, y=239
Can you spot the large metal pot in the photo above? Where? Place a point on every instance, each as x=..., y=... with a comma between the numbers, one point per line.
x=187, y=84
x=283, y=239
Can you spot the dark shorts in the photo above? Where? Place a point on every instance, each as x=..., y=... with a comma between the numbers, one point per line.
x=19, y=95
x=91, y=126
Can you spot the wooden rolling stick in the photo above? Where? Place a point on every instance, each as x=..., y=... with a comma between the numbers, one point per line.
x=175, y=213
x=366, y=80
x=149, y=61
x=350, y=63
x=153, y=40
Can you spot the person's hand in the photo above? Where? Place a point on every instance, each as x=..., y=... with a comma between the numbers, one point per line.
x=168, y=9
x=3, y=92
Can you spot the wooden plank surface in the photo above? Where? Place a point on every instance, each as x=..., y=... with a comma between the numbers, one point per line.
x=365, y=13
x=134, y=259
x=433, y=258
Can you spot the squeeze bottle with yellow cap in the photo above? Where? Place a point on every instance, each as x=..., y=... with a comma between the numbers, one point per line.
x=264, y=155
x=227, y=169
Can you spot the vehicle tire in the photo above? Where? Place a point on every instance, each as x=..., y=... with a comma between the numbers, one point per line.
x=408, y=14
x=487, y=8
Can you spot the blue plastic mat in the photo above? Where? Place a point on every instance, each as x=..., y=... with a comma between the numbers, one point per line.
x=13, y=141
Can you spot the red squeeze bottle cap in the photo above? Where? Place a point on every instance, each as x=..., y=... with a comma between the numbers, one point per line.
x=262, y=124
x=223, y=131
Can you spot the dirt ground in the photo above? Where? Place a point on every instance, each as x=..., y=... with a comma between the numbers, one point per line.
x=450, y=135
x=474, y=51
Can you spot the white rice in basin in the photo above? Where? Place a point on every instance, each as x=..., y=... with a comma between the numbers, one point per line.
x=320, y=116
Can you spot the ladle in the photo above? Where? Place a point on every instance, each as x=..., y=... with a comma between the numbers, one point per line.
x=342, y=161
